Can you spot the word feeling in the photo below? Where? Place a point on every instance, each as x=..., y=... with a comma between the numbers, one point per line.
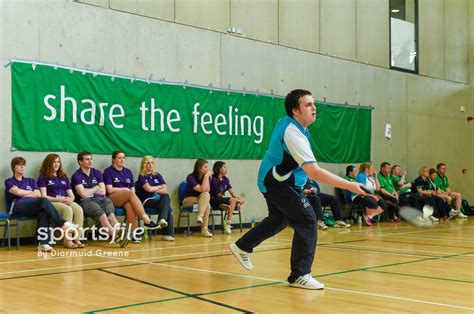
x=232, y=124
x=153, y=118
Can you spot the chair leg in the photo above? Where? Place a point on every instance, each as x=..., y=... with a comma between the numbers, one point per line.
x=222, y=221
x=212, y=221
x=17, y=234
x=189, y=228
x=9, y=236
x=240, y=221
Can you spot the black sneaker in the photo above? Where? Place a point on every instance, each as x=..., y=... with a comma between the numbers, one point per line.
x=152, y=225
x=135, y=240
x=122, y=241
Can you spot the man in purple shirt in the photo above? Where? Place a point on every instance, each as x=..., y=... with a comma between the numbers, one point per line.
x=89, y=190
x=25, y=199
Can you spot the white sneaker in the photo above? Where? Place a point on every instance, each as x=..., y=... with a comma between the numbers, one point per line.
x=461, y=215
x=167, y=238
x=434, y=218
x=199, y=219
x=242, y=256
x=322, y=225
x=427, y=211
x=227, y=228
x=45, y=248
x=163, y=223
x=341, y=224
x=307, y=282
x=453, y=214
x=205, y=233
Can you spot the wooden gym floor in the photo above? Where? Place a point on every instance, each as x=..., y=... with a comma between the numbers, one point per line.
x=386, y=268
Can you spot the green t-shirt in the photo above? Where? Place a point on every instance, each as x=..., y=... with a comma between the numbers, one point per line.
x=442, y=182
x=395, y=180
x=433, y=184
x=385, y=183
x=349, y=178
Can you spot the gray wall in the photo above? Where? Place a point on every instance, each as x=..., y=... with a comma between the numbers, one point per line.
x=336, y=48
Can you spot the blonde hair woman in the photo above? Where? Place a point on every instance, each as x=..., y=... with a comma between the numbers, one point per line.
x=152, y=191
x=374, y=205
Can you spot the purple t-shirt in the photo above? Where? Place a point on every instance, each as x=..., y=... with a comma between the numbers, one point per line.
x=118, y=178
x=25, y=184
x=191, y=182
x=219, y=187
x=88, y=181
x=151, y=179
x=55, y=186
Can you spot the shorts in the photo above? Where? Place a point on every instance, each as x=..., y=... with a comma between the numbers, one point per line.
x=96, y=207
x=366, y=201
x=216, y=201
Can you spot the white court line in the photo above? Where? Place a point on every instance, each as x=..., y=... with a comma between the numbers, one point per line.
x=429, y=237
x=399, y=254
x=327, y=288
x=385, y=249
x=119, y=260
x=113, y=247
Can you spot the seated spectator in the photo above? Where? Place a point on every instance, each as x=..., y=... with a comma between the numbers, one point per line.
x=351, y=173
x=404, y=188
x=197, y=192
x=89, y=189
x=422, y=185
x=220, y=184
x=152, y=191
x=388, y=192
x=120, y=188
x=436, y=190
x=56, y=188
x=23, y=193
x=312, y=188
x=374, y=204
x=443, y=183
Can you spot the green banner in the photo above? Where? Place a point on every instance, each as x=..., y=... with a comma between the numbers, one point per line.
x=57, y=109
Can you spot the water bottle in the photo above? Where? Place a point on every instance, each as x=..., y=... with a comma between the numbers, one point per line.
x=145, y=236
x=252, y=223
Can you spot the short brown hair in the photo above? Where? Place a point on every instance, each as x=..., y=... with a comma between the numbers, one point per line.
x=441, y=164
x=17, y=161
x=81, y=155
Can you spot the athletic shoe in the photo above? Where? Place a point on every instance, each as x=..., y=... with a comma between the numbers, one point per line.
x=242, y=256
x=396, y=219
x=122, y=241
x=322, y=225
x=205, y=233
x=461, y=215
x=368, y=220
x=199, y=219
x=227, y=227
x=45, y=248
x=167, y=238
x=453, y=214
x=307, y=282
x=163, y=223
x=69, y=225
x=427, y=211
x=152, y=225
x=341, y=224
x=135, y=240
x=434, y=218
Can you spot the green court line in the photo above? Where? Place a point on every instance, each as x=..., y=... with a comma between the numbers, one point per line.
x=136, y=304
x=275, y=283
x=419, y=276
x=183, y=297
x=393, y=264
